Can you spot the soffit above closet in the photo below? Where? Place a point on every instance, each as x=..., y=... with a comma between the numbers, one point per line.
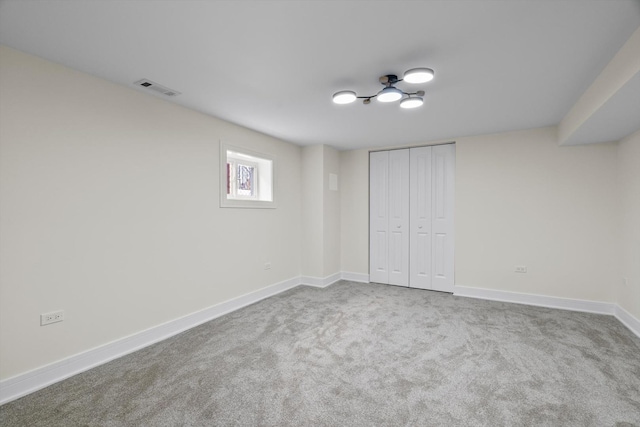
x=272, y=66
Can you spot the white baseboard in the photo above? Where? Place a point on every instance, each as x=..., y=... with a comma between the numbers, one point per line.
x=23, y=384
x=598, y=307
x=627, y=319
x=355, y=277
x=537, y=300
x=320, y=282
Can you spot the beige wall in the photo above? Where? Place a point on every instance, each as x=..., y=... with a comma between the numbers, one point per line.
x=523, y=200
x=331, y=213
x=520, y=200
x=110, y=211
x=354, y=213
x=629, y=184
x=320, y=212
x=312, y=211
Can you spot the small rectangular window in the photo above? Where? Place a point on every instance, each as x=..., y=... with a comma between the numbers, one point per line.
x=246, y=179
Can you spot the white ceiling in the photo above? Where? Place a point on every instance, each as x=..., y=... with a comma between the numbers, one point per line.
x=272, y=66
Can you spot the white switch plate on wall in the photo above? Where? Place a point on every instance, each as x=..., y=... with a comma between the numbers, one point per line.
x=520, y=269
x=333, y=182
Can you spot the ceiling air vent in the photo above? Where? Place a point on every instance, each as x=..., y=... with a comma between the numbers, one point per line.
x=148, y=84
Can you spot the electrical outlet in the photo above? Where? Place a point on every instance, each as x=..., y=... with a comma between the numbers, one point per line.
x=267, y=266
x=521, y=269
x=53, y=317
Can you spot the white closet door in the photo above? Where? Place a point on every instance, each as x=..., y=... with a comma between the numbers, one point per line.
x=379, y=217
x=399, y=217
x=420, y=217
x=411, y=217
x=443, y=182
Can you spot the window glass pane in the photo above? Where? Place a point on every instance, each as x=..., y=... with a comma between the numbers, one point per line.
x=246, y=180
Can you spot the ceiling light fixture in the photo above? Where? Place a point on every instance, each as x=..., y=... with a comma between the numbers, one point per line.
x=390, y=93
x=418, y=75
x=344, y=97
x=412, y=102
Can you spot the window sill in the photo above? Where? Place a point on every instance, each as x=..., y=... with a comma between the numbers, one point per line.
x=247, y=204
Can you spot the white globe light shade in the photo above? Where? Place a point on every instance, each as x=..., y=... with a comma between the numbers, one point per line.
x=389, y=94
x=413, y=102
x=418, y=75
x=344, y=97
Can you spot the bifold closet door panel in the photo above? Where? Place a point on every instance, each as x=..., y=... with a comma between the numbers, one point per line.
x=420, y=217
x=443, y=188
x=379, y=217
x=411, y=217
x=399, y=217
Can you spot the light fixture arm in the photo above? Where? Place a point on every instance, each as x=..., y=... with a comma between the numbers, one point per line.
x=390, y=93
x=367, y=99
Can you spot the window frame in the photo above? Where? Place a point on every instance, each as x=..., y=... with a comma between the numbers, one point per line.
x=245, y=201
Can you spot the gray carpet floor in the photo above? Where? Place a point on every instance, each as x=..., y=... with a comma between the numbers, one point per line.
x=362, y=355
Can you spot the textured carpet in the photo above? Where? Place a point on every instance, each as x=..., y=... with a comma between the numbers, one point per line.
x=362, y=354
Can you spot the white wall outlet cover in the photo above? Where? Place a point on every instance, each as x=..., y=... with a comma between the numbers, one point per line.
x=52, y=317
